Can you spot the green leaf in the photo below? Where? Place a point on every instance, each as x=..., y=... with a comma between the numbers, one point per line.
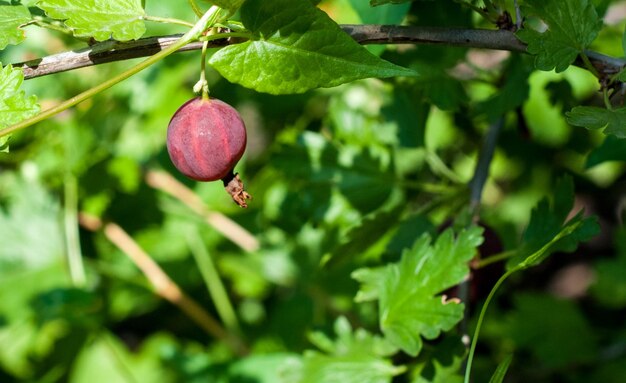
x=441, y=363
x=296, y=47
x=572, y=26
x=11, y=17
x=360, y=238
x=354, y=357
x=612, y=149
x=14, y=105
x=4, y=144
x=228, y=4
x=512, y=94
x=500, y=373
x=409, y=306
x=318, y=163
x=554, y=330
x=79, y=308
x=375, y=3
x=592, y=117
x=549, y=230
x=101, y=19
x=609, y=287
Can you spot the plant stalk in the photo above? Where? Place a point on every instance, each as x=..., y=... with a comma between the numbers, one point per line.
x=213, y=281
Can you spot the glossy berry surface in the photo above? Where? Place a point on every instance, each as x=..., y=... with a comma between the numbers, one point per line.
x=206, y=139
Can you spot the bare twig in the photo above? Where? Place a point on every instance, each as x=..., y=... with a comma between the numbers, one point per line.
x=229, y=228
x=482, y=166
x=110, y=51
x=161, y=282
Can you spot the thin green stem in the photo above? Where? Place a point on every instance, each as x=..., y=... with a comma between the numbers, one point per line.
x=589, y=65
x=495, y=258
x=168, y=20
x=72, y=239
x=481, y=317
x=41, y=22
x=208, y=19
x=213, y=282
x=219, y=36
x=438, y=166
x=195, y=8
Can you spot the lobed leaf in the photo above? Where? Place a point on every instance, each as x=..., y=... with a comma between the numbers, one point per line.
x=354, y=357
x=296, y=47
x=101, y=19
x=408, y=290
x=11, y=17
x=613, y=121
x=14, y=105
x=549, y=230
x=572, y=26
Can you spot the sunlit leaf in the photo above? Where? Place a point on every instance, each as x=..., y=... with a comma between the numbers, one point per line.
x=296, y=47
x=228, y=4
x=591, y=117
x=572, y=26
x=14, y=105
x=11, y=17
x=354, y=357
x=410, y=306
x=101, y=19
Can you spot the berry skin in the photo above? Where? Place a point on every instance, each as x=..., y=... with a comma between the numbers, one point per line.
x=206, y=139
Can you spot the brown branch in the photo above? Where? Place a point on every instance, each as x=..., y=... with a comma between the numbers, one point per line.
x=163, y=285
x=229, y=228
x=110, y=51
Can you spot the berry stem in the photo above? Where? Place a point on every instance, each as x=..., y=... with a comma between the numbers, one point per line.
x=203, y=80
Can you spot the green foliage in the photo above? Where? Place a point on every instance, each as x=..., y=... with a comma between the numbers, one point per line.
x=286, y=57
x=572, y=27
x=612, y=121
x=375, y=3
x=4, y=144
x=14, y=105
x=609, y=287
x=11, y=18
x=550, y=230
x=100, y=19
x=500, y=373
x=408, y=291
x=361, y=221
x=354, y=357
x=612, y=149
x=228, y=4
x=554, y=330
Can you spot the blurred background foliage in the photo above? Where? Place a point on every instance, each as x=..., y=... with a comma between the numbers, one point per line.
x=341, y=178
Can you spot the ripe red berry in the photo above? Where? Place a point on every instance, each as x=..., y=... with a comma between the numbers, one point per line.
x=205, y=140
